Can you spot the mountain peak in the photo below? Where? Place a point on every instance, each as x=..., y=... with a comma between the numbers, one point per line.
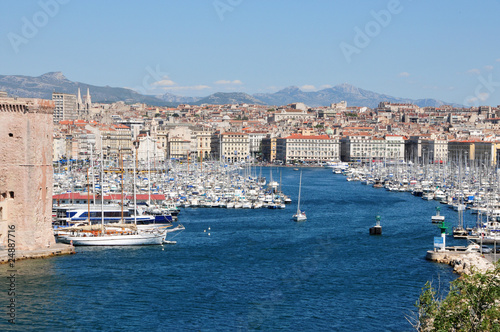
x=54, y=75
x=348, y=88
x=292, y=88
x=229, y=98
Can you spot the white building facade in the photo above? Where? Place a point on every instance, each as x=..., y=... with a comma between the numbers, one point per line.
x=301, y=148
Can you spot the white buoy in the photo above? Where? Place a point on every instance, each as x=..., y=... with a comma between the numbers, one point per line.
x=204, y=230
x=208, y=234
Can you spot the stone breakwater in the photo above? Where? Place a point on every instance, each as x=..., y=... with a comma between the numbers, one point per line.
x=462, y=262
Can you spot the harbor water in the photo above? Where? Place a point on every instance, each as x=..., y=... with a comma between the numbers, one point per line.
x=244, y=269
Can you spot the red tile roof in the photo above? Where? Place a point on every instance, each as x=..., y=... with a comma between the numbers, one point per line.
x=299, y=136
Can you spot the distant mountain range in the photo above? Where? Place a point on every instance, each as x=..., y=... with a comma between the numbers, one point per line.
x=344, y=92
x=43, y=86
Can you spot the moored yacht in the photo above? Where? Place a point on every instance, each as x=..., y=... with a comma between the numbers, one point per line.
x=112, y=235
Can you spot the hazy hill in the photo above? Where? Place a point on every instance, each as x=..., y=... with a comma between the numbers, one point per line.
x=352, y=95
x=221, y=98
x=43, y=86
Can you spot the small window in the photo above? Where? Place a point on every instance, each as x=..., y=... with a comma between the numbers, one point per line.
x=11, y=135
x=11, y=194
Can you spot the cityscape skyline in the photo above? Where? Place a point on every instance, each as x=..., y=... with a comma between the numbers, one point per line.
x=118, y=115
x=401, y=48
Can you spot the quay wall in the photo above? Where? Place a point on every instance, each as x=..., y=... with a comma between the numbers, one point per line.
x=26, y=174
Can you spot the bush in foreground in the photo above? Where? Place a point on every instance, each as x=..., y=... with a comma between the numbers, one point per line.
x=473, y=304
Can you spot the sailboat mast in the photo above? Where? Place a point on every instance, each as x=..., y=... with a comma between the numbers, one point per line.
x=135, y=199
x=280, y=179
x=121, y=171
x=300, y=189
x=149, y=176
x=88, y=197
x=102, y=187
x=72, y=184
x=92, y=169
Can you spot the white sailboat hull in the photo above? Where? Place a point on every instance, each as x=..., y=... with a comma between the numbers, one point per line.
x=299, y=217
x=115, y=240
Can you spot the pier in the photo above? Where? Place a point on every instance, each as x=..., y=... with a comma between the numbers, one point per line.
x=462, y=259
x=57, y=249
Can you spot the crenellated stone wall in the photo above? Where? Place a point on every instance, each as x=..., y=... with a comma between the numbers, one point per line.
x=26, y=129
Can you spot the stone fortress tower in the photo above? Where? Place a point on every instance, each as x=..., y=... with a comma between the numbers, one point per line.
x=26, y=129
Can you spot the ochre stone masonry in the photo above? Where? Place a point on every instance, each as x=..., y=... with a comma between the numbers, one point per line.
x=26, y=172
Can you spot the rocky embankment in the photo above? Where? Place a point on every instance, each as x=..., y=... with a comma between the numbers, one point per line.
x=462, y=262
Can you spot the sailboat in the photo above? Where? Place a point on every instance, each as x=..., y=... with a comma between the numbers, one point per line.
x=113, y=234
x=300, y=215
x=460, y=232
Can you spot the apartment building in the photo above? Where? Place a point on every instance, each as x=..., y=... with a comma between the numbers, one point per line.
x=178, y=147
x=314, y=148
x=461, y=151
x=202, y=143
x=288, y=114
x=364, y=148
x=235, y=147
x=65, y=107
x=115, y=139
x=255, y=139
x=269, y=148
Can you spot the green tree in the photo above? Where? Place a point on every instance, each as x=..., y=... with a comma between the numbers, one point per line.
x=472, y=304
x=427, y=305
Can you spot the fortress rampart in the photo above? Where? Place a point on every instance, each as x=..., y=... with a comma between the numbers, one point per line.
x=26, y=130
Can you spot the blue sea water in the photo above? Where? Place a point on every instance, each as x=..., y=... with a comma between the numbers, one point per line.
x=239, y=270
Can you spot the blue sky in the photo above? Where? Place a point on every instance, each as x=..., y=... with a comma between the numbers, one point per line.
x=447, y=50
